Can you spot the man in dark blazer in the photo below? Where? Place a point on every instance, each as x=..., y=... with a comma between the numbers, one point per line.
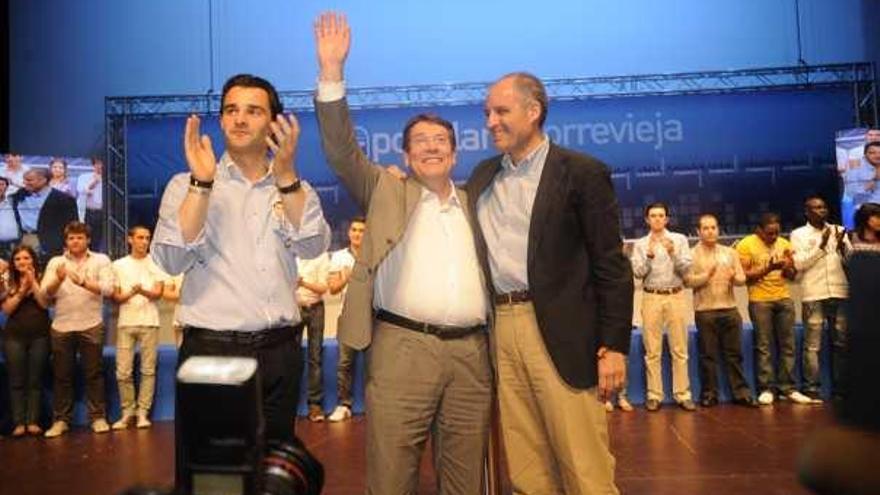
x=549, y=241
x=42, y=212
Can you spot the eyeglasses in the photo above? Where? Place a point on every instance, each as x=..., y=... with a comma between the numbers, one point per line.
x=438, y=140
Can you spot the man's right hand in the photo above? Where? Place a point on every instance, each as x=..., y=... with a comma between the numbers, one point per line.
x=61, y=272
x=332, y=40
x=199, y=152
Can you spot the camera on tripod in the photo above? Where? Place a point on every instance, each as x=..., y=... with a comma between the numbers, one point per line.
x=219, y=435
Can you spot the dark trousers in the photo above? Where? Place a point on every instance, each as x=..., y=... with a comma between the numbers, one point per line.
x=90, y=345
x=313, y=319
x=95, y=220
x=722, y=329
x=280, y=365
x=26, y=365
x=345, y=374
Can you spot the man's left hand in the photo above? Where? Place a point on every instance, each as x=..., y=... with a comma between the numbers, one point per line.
x=283, y=141
x=612, y=372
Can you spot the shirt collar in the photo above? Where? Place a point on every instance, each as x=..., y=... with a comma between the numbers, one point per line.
x=228, y=169
x=454, y=200
x=529, y=161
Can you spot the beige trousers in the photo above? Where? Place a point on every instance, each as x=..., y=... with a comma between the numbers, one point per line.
x=659, y=311
x=555, y=436
x=126, y=338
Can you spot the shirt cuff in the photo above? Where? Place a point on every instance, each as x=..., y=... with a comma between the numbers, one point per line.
x=330, y=91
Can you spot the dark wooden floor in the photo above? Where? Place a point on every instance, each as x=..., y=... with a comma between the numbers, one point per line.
x=722, y=451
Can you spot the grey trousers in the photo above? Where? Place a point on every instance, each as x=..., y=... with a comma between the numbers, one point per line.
x=419, y=386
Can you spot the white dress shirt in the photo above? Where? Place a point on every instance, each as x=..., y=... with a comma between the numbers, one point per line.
x=820, y=271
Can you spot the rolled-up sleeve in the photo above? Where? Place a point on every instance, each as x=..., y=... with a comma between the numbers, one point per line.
x=312, y=237
x=168, y=248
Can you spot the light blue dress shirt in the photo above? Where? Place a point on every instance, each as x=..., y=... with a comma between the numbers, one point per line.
x=240, y=272
x=29, y=209
x=663, y=271
x=504, y=211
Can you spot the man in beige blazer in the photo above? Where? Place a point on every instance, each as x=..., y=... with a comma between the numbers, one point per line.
x=416, y=295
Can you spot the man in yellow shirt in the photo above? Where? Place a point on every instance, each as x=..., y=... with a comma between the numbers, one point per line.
x=767, y=260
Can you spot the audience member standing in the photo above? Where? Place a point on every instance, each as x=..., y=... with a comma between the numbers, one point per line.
x=90, y=201
x=310, y=290
x=59, y=179
x=661, y=259
x=9, y=231
x=139, y=284
x=14, y=172
x=77, y=281
x=715, y=271
x=42, y=213
x=25, y=339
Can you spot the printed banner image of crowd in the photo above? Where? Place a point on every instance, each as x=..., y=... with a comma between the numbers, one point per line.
x=858, y=170
x=40, y=195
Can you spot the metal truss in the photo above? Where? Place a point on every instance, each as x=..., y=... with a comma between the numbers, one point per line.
x=859, y=77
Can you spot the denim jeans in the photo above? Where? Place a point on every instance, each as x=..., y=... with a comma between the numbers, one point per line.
x=774, y=321
x=313, y=319
x=26, y=365
x=345, y=374
x=815, y=315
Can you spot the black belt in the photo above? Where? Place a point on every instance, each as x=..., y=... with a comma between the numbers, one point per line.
x=439, y=331
x=665, y=292
x=313, y=305
x=259, y=338
x=517, y=296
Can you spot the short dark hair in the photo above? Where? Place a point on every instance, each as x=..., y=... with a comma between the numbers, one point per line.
x=657, y=204
x=865, y=212
x=41, y=171
x=768, y=218
x=251, y=81
x=357, y=219
x=137, y=226
x=95, y=159
x=77, y=227
x=529, y=86
x=811, y=197
x=706, y=215
x=872, y=144
x=5, y=180
x=430, y=118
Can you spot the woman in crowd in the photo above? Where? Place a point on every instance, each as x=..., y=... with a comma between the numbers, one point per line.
x=25, y=339
x=59, y=180
x=866, y=236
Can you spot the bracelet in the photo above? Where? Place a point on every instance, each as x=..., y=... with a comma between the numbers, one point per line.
x=200, y=190
x=203, y=184
x=291, y=188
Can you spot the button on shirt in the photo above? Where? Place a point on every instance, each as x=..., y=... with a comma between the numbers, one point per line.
x=662, y=271
x=505, y=213
x=77, y=308
x=820, y=271
x=241, y=269
x=432, y=274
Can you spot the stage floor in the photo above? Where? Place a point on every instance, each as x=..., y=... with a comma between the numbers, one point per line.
x=725, y=450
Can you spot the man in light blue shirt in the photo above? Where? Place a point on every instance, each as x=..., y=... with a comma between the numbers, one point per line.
x=236, y=228
x=661, y=259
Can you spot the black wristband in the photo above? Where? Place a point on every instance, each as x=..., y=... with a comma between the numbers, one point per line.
x=291, y=188
x=200, y=183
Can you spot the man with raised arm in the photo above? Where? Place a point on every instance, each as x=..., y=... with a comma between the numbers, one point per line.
x=415, y=295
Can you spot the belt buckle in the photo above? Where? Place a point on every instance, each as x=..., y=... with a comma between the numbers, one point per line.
x=507, y=298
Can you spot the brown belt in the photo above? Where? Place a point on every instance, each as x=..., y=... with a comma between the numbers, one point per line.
x=665, y=292
x=517, y=296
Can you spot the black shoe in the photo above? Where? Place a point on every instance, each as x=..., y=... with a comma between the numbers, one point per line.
x=652, y=405
x=746, y=402
x=709, y=401
x=688, y=405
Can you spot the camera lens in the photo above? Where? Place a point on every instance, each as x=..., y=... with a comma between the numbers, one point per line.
x=289, y=469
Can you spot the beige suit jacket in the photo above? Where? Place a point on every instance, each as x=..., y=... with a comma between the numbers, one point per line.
x=389, y=203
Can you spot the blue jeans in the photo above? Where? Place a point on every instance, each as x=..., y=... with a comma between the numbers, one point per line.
x=774, y=320
x=26, y=360
x=815, y=315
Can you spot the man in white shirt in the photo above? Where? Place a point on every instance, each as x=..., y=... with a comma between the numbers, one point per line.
x=310, y=289
x=90, y=201
x=139, y=284
x=819, y=251
x=415, y=296
x=78, y=281
x=341, y=263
